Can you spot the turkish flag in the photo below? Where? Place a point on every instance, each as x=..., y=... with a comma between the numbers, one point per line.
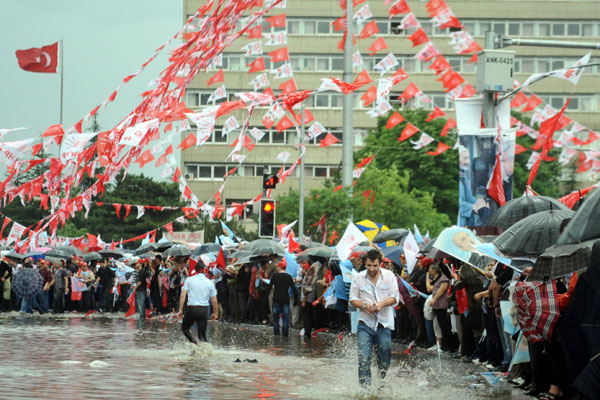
x=39, y=60
x=369, y=96
x=533, y=102
x=276, y=21
x=407, y=132
x=495, y=188
x=369, y=29
x=519, y=100
x=279, y=55
x=288, y=86
x=255, y=33
x=328, y=140
x=442, y=147
x=378, y=45
x=394, y=120
x=218, y=77
x=419, y=37
x=257, y=65
x=284, y=123
x=400, y=7
x=436, y=113
x=449, y=125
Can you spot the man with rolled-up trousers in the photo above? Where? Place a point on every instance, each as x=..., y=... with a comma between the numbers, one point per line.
x=201, y=293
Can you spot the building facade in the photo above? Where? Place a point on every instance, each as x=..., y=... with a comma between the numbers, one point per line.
x=313, y=42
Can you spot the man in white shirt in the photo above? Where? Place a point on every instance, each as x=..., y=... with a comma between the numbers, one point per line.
x=200, y=292
x=374, y=291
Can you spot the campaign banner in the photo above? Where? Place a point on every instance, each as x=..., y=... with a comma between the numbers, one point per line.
x=185, y=237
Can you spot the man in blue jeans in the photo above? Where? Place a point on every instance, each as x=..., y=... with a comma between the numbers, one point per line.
x=374, y=292
x=282, y=283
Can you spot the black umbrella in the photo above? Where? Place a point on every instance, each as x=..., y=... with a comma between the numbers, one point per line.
x=427, y=247
x=72, y=250
x=93, y=256
x=324, y=252
x=264, y=247
x=560, y=260
x=588, y=381
x=162, y=246
x=108, y=253
x=146, y=248
x=15, y=256
x=393, y=253
x=521, y=207
x=177, y=251
x=27, y=282
x=237, y=254
x=533, y=234
x=206, y=248
x=392, y=234
x=585, y=225
x=59, y=253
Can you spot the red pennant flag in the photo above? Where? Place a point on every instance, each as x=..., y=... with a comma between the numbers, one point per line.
x=44, y=59
x=419, y=37
x=519, y=100
x=378, y=45
x=400, y=7
x=436, y=113
x=218, y=77
x=4, y=224
x=520, y=149
x=117, y=209
x=450, y=124
x=468, y=91
x=439, y=64
x=339, y=24
x=190, y=140
x=308, y=117
x=533, y=102
x=496, y=188
x=255, y=33
x=131, y=302
x=451, y=79
x=276, y=21
x=357, y=2
x=572, y=198
x=552, y=124
x=334, y=235
x=362, y=79
x=394, y=120
x=169, y=150
x=284, y=123
x=338, y=187
x=257, y=65
x=145, y=158
x=369, y=96
x=36, y=148
x=408, y=131
x=592, y=137
x=288, y=86
x=92, y=240
x=54, y=130
x=440, y=149
x=221, y=263
x=369, y=29
x=279, y=55
x=169, y=227
x=293, y=246
x=127, y=210
x=267, y=121
x=536, y=166
x=411, y=91
x=328, y=140
x=365, y=161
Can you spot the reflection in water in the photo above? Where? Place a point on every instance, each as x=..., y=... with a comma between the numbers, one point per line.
x=107, y=357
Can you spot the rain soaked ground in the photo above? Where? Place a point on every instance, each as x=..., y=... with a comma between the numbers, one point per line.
x=108, y=357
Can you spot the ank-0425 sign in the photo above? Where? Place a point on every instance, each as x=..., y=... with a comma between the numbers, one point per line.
x=187, y=237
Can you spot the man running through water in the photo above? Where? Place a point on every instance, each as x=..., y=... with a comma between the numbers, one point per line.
x=200, y=292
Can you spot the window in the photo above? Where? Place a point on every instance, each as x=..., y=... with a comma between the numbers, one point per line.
x=428, y=28
x=558, y=29
x=310, y=27
x=322, y=100
x=514, y=28
x=323, y=64
x=528, y=29
x=383, y=27
x=573, y=104
x=293, y=27
x=557, y=102
x=543, y=66
x=588, y=30
x=219, y=171
x=191, y=170
x=558, y=64
x=544, y=29
x=573, y=29
x=321, y=171
x=192, y=99
x=323, y=27
x=500, y=28
x=337, y=63
x=278, y=138
x=204, y=171
x=336, y=100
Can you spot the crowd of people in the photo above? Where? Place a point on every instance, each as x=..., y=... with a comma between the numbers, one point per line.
x=444, y=305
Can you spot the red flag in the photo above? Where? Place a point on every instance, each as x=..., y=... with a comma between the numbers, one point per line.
x=552, y=124
x=519, y=100
x=131, y=302
x=43, y=59
x=339, y=24
x=520, y=149
x=468, y=91
x=279, y=55
x=536, y=166
x=378, y=45
x=35, y=149
x=190, y=140
x=440, y=149
x=419, y=37
x=436, y=113
x=221, y=263
x=365, y=161
x=369, y=29
x=407, y=132
x=308, y=117
x=257, y=65
x=218, y=77
x=411, y=91
x=394, y=120
x=334, y=235
x=255, y=33
x=362, y=78
x=54, y=130
x=288, y=86
x=117, y=209
x=452, y=22
x=592, y=137
x=145, y=158
x=276, y=21
x=369, y=96
x=439, y=64
x=169, y=227
x=449, y=125
x=451, y=79
x=533, y=102
x=293, y=246
x=328, y=140
x=495, y=187
x=400, y=7
x=357, y=2
x=572, y=198
x=284, y=123
x=6, y=222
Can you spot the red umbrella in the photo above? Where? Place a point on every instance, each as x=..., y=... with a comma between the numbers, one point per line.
x=537, y=309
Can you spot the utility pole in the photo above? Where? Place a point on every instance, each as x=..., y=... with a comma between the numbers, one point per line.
x=348, y=130
x=301, y=189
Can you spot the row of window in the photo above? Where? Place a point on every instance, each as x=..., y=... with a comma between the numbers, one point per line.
x=335, y=63
x=201, y=171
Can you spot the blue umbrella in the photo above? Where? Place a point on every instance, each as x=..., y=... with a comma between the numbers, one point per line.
x=27, y=282
x=393, y=253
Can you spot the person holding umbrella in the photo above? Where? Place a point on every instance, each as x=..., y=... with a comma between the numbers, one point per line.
x=28, y=283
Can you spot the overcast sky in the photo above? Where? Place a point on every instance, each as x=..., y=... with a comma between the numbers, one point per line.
x=104, y=41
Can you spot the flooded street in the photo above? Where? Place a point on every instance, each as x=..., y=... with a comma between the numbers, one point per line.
x=107, y=357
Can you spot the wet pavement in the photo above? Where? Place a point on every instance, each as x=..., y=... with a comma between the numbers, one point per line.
x=107, y=356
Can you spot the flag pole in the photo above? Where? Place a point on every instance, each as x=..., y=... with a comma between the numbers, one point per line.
x=61, y=62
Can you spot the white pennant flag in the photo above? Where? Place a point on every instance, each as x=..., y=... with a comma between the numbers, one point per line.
x=73, y=144
x=205, y=129
x=357, y=59
x=219, y=93
x=383, y=88
x=230, y=125
x=255, y=98
x=427, y=52
x=276, y=111
x=276, y=38
x=566, y=155
x=260, y=81
x=238, y=158
x=140, y=212
x=257, y=134
x=315, y=130
x=386, y=64
x=15, y=233
x=363, y=14
x=532, y=159
x=423, y=141
x=411, y=250
x=283, y=156
x=12, y=151
x=215, y=63
x=284, y=71
x=328, y=85
x=253, y=48
x=409, y=21
x=383, y=106
x=134, y=134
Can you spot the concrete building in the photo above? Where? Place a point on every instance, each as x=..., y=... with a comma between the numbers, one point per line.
x=312, y=44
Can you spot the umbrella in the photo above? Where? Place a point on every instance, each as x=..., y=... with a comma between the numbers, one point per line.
x=177, y=251
x=15, y=256
x=322, y=251
x=27, y=282
x=93, y=256
x=585, y=225
x=560, y=260
x=370, y=228
x=588, y=382
x=537, y=309
x=145, y=248
x=206, y=248
x=265, y=246
x=533, y=234
x=459, y=243
x=393, y=253
x=72, y=250
x=34, y=255
x=521, y=207
x=239, y=254
x=392, y=234
x=427, y=247
x=162, y=246
x=59, y=253
x=108, y=253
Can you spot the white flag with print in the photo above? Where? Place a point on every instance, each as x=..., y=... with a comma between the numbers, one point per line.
x=315, y=130
x=253, y=48
x=218, y=94
x=386, y=64
x=230, y=125
x=133, y=135
x=276, y=38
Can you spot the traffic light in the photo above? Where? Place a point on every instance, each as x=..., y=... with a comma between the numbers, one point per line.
x=266, y=226
x=270, y=181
